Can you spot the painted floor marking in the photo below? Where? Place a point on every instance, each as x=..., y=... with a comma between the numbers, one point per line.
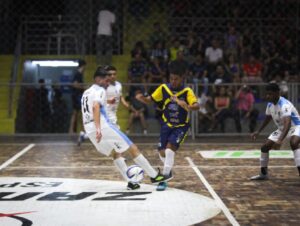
x=112, y=166
x=218, y=200
x=244, y=154
x=16, y=156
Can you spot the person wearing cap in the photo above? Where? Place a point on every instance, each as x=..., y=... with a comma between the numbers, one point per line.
x=77, y=90
x=287, y=120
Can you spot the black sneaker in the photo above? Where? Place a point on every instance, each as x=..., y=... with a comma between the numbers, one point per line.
x=132, y=186
x=157, y=179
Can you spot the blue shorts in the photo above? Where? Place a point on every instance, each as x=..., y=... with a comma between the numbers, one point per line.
x=174, y=136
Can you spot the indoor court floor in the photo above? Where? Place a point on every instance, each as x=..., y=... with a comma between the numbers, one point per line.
x=225, y=181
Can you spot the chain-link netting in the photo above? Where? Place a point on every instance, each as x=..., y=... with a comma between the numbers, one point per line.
x=209, y=42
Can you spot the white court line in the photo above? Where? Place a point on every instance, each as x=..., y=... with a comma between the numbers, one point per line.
x=218, y=200
x=12, y=159
x=112, y=166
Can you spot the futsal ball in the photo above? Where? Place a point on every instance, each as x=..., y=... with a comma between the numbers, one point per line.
x=135, y=173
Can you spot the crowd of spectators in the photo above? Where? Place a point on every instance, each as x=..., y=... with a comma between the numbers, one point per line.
x=234, y=57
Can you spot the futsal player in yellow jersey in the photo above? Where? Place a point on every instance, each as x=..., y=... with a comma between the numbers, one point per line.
x=176, y=100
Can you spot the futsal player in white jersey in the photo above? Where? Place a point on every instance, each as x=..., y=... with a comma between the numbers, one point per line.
x=107, y=138
x=287, y=120
x=114, y=95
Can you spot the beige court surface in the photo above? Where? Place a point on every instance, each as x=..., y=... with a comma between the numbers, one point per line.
x=226, y=181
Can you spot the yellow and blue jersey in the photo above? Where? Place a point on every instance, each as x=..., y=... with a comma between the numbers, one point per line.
x=172, y=114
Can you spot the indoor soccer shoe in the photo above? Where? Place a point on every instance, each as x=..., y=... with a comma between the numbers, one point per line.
x=80, y=138
x=132, y=186
x=260, y=177
x=162, y=186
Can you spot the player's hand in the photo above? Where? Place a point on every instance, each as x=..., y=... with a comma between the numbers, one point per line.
x=98, y=135
x=181, y=103
x=254, y=135
x=112, y=101
x=139, y=96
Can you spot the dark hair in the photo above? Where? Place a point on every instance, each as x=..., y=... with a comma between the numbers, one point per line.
x=100, y=72
x=81, y=63
x=273, y=87
x=109, y=68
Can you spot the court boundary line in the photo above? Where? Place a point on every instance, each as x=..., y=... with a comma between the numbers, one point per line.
x=112, y=166
x=16, y=156
x=217, y=199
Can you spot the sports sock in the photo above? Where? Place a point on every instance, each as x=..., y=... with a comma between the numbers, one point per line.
x=122, y=167
x=169, y=161
x=297, y=159
x=264, y=161
x=145, y=165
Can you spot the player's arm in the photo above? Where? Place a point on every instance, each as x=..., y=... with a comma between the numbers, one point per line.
x=124, y=102
x=96, y=117
x=266, y=121
x=286, y=127
x=146, y=100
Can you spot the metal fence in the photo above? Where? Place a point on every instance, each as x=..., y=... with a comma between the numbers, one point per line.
x=48, y=109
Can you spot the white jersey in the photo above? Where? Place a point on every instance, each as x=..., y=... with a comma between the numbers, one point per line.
x=93, y=94
x=113, y=92
x=282, y=109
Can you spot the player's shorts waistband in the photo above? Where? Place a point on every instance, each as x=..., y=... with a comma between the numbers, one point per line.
x=89, y=122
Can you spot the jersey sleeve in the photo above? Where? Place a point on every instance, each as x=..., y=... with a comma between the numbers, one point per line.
x=99, y=96
x=286, y=110
x=268, y=112
x=191, y=97
x=157, y=95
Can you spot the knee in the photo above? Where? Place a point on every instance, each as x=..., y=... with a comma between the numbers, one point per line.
x=265, y=149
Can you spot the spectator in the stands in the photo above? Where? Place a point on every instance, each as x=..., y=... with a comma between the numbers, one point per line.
x=175, y=47
x=231, y=39
x=219, y=76
x=233, y=68
x=181, y=64
x=291, y=70
x=43, y=108
x=137, y=111
x=139, y=48
x=213, y=55
x=159, y=51
x=197, y=70
x=252, y=71
x=104, y=42
x=157, y=70
x=137, y=73
x=245, y=106
x=157, y=35
x=223, y=109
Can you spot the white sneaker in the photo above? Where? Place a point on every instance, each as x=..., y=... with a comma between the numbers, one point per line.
x=260, y=177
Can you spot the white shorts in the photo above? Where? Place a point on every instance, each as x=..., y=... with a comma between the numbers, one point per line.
x=112, y=139
x=294, y=131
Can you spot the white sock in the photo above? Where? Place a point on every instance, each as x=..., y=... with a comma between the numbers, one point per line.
x=122, y=167
x=161, y=158
x=297, y=157
x=145, y=165
x=264, y=159
x=169, y=161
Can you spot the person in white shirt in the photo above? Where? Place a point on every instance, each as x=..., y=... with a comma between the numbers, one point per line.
x=106, y=19
x=287, y=120
x=114, y=95
x=107, y=138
